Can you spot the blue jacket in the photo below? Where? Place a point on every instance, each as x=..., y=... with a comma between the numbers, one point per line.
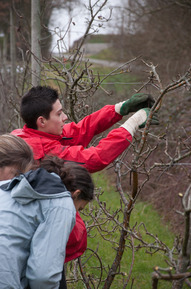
x=37, y=215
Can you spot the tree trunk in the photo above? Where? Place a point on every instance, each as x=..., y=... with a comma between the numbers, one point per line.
x=35, y=42
x=4, y=48
x=184, y=258
x=12, y=49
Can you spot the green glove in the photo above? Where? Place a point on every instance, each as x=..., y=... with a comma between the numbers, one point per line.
x=154, y=120
x=136, y=102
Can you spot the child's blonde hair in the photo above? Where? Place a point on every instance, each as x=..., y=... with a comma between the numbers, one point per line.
x=14, y=151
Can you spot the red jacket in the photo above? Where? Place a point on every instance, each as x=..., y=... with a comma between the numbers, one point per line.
x=71, y=145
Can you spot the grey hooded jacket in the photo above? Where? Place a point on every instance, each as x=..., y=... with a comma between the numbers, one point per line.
x=37, y=215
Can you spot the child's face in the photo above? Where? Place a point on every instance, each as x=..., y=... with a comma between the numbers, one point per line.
x=80, y=204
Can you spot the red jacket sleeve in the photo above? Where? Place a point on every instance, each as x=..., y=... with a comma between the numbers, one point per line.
x=93, y=124
x=77, y=242
x=93, y=158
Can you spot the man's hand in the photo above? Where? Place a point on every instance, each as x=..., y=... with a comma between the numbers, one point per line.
x=135, y=103
x=154, y=120
x=139, y=119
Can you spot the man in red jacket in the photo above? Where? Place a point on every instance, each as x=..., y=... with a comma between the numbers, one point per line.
x=47, y=133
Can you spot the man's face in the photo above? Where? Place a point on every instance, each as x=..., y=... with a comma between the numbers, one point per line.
x=54, y=124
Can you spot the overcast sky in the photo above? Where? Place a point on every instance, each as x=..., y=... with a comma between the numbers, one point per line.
x=61, y=19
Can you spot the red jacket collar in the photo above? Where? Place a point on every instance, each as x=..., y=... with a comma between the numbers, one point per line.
x=36, y=132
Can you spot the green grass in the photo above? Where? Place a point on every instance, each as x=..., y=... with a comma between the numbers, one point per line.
x=143, y=262
x=99, y=38
x=106, y=54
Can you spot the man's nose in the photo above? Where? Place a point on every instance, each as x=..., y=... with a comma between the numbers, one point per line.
x=64, y=117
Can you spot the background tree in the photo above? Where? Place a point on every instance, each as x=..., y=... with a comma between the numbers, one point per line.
x=20, y=52
x=35, y=42
x=159, y=31
x=22, y=14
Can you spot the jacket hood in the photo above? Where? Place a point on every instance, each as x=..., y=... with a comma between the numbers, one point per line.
x=36, y=185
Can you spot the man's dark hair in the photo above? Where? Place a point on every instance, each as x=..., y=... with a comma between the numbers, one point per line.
x=38, y=101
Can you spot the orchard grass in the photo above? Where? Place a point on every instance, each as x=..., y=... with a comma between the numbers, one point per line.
x=143, y=262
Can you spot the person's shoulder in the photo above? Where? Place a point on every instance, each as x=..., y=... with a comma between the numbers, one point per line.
x=25, y=131
x=17, y=131
x=64, y=204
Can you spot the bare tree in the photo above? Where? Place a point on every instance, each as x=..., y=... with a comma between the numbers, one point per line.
x=13, y=49
x=77, y=83
x=141, y=168
x=35, y=42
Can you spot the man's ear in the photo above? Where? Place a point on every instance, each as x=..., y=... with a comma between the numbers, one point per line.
x=40, y=122
x=75, y=194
